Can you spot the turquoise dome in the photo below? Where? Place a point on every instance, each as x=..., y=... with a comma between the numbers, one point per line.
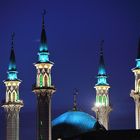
x=73, y=123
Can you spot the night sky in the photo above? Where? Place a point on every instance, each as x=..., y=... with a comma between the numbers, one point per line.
x=74, y=30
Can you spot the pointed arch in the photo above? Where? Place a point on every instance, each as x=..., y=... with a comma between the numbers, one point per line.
x=14, y=94
x=97, y=99
x=104, y=100
x=38, y=80
x=50, y=80
x=8, y=96
x=41, y=80
x=17, y=95
x=45, y=80
x=138, y=86
x=107, y=100
x=100, y=99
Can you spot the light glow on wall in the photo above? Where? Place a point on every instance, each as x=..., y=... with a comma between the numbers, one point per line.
x=43, y=47
x=138, y=63
x=102, y=80
x=12, y=75
x=43, y=56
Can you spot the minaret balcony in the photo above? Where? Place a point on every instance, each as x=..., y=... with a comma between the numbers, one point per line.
x=43, y=89
x=19, y=102
x=135, y=95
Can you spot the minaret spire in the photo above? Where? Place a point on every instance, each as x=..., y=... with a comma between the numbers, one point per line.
x=101, y=70
x=43, y=33
x=135, y=94
x=102, y=106
x=75, y=100
x=12, y=103
x=12, y=70
x=43, y=21
x=138, y=55
x=102, y=77
x=43, y=48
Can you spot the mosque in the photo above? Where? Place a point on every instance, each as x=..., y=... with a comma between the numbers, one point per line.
x=74, y=124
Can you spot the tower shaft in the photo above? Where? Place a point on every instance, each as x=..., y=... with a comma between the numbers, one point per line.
x=102, y=115
x=136, y=98
x=44, y=117
x=12, y=107
x=137, y=110
x=12, y=119
x=135, y=94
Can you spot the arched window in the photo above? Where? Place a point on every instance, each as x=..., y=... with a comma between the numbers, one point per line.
x=100, y=100
x=107, y=100
x=14, y=96
x=138, y=86
x=41, y=80
x=49, y=81
x=46, y=80
x=17, y=96
x=38, y=80
x=104, y=100
x=97, y=99
x=8, y=97
x=11, y=97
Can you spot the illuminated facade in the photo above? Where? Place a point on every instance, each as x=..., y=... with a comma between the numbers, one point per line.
x=135, y=94
x=102, y=106
x=43, y=89
x=12, y=103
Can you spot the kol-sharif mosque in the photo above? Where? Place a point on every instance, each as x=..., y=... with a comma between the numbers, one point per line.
x=74, y=124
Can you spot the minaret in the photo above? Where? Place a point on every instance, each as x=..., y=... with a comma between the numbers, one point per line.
x=135, y=94
x=43, y=88
x=102, y=106
x=12, y=104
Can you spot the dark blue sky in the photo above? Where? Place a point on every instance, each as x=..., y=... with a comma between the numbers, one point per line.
x=74, y=29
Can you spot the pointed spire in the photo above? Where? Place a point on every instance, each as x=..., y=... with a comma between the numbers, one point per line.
x=101, y=70
x=102, y=77
x=43, y=39
x=43, y=48
x=75, y=100
x=138, y=55
x=12, y=64
x=12, y=70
